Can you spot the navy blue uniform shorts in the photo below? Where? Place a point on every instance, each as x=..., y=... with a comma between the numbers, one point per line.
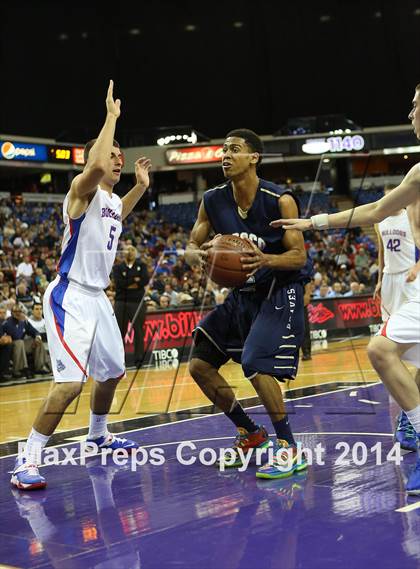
x=262, y=330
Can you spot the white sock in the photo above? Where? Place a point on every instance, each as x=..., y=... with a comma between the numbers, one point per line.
x=97, y=426
x=34, y=446
x=414, y=418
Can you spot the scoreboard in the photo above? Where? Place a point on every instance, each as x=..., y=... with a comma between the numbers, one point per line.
x=59, y=154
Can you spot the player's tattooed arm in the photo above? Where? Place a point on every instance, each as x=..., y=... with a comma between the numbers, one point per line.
x=402, y=196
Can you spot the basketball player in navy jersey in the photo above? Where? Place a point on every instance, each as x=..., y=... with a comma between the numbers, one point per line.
x=399, y=338
x=260, y=325
x=82, y=331
x=398, y=265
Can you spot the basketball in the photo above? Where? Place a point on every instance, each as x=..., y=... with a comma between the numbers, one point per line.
x=224, y=265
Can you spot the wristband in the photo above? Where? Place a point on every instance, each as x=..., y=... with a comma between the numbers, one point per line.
x=320, y=221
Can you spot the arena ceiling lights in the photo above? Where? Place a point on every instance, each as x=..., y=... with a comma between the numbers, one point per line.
x=177, y=138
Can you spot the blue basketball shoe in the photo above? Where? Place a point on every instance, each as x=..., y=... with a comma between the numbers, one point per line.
x=405, y=433
x=286, y=461
x=26, y=476
x=413, y=482
x=113, y=442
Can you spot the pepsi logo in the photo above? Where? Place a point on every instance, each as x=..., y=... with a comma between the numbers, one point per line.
x=8, y=150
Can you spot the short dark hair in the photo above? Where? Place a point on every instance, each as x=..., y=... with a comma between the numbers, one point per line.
x=89, y=145
x=251, y=138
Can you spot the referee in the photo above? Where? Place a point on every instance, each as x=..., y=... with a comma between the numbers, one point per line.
x=130, y=278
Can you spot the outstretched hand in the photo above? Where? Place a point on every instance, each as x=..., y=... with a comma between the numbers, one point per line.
x=112, y=107
x=298, y=224
x=142, y=167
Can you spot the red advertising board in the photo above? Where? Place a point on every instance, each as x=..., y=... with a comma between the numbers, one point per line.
x=163, y=330
x=173, y=329
x=194, y=155
x=347, y=312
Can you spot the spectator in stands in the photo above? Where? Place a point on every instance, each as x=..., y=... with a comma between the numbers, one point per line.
x=337, y=288
x=185, y=299
x=151, y=305
x=3, y=313
x=25, y=269
x=37, y=321
x=49, y=269
x=17, y=327
x=367, y=279
x=173, y=295
x=23, y=296
x=39, y=277
x=5, y=345
x=342, y=260
x=354, y=289
x=164, y=302
x=361, y=261
x=324, y=292
x=130, y=278
x=5, y=348
x=158, y=284
x=317, y=280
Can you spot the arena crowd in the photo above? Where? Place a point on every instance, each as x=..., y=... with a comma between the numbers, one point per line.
x=344, y=265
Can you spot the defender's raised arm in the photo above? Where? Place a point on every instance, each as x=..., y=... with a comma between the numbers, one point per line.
x=405, y=194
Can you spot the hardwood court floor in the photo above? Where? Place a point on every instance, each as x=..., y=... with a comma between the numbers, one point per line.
x=152, y=391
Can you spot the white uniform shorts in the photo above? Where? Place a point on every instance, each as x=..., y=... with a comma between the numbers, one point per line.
x=395, y=291
x=403, y=326
x=83, y=335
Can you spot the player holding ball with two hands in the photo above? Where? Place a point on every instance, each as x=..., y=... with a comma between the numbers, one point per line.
x=260, y=325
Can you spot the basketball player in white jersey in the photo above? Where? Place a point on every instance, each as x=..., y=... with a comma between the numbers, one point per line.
x=398, y=265
x=400, y=336
x=83, y=335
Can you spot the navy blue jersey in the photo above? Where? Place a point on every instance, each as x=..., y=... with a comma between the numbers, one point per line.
x=222, y=212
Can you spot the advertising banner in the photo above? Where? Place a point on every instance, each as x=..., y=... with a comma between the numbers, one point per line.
x=168, y=333
x=22, y=151
x=194, y=155
x=348, y=312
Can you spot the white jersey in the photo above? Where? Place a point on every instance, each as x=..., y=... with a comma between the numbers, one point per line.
x=400, y=252
x=90, y=241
